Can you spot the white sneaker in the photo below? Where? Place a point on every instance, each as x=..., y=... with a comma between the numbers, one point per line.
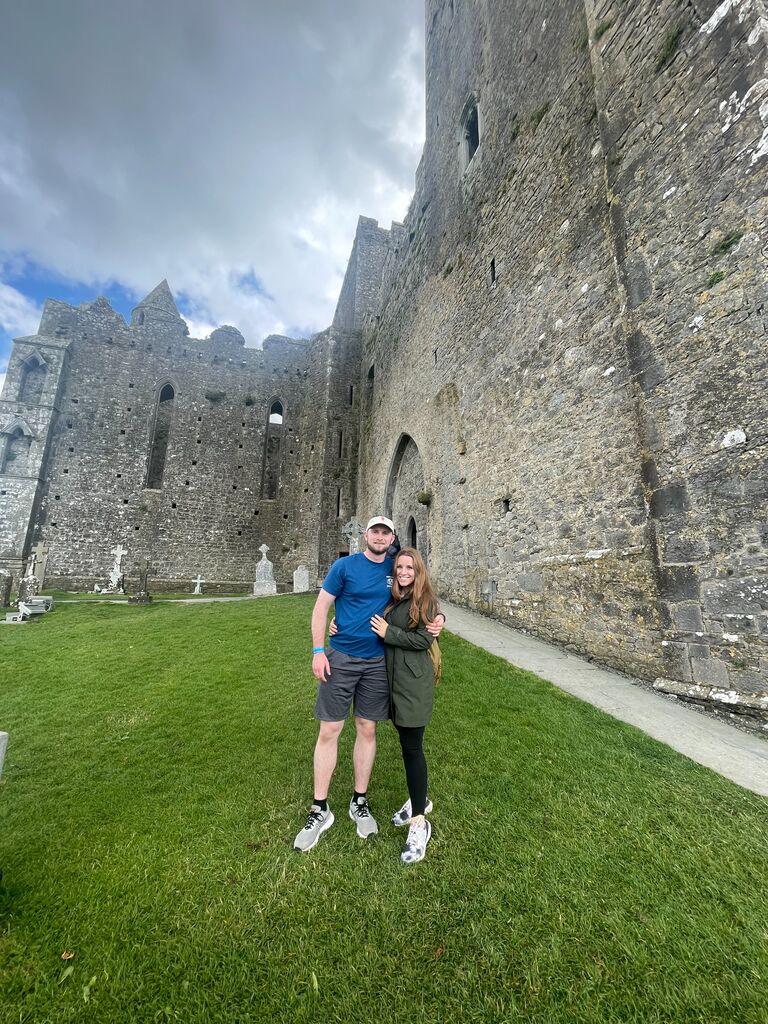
x=416, y=846
x=317, y=823
x=403, y=816
x=360, y=813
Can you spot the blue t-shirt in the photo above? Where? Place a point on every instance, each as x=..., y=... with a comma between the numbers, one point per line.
x=361, y=588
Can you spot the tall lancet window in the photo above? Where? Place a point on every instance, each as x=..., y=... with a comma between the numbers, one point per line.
x=270, y=476
x=32, y=381
x=161, y=430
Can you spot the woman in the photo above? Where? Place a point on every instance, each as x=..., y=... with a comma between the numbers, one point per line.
x=411, y=683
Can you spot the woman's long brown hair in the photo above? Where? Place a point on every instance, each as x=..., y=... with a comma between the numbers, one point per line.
x=423, y=601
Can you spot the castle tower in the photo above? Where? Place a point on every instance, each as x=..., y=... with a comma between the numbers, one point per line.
x=29, y=407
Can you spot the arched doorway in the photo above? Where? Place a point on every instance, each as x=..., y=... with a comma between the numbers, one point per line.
x=404, y=498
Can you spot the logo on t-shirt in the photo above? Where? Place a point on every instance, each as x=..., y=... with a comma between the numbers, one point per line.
x=390, y=581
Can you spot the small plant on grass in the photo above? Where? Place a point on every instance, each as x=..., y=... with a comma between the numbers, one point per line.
x=669, y=47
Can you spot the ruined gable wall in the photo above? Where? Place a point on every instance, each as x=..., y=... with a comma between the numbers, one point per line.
x=209, y=516
x=533, y=392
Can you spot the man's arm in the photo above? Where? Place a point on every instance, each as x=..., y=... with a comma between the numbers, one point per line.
x=320, y=667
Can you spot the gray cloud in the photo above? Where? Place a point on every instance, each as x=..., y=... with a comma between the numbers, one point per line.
x=207, y=143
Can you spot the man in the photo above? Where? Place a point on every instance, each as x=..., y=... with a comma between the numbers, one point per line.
x=351, y=673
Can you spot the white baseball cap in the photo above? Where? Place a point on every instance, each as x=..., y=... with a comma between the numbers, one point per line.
x=380, y=521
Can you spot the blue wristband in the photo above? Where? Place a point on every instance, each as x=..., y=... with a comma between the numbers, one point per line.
x=318, y=650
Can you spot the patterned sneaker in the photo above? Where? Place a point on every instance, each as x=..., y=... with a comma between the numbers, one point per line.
x=317, y=823
x=403, y=816
x=416, y=846
x=360, y=813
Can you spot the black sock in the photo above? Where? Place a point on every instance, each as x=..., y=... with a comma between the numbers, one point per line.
x=322, y=804
x=357, y=796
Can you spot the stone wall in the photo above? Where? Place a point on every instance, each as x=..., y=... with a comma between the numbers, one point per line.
x=572, y=330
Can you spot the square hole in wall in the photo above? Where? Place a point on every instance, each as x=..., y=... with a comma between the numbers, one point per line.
x=173, y=504
x=122, y=431
x=194, y=462
x=119, y=475
x=71, y=449
x=130, y=385
x=125, y=501
x=239, y=533
x=66, y=470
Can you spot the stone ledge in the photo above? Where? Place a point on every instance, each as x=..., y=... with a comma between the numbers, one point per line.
x=755, y=705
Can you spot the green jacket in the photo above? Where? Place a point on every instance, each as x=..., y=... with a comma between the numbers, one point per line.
x=409, y=668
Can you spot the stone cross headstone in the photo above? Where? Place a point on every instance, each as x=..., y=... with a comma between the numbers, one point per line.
x=6, y=583
x=265, y=577
x=301, y=580
x=198, y=582
x=29, y=586
x=40, y=560
x=352, y=532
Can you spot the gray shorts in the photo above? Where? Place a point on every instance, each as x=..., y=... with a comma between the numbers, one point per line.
x=362, y=681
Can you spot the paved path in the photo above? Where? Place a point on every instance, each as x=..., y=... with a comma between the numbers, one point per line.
x=736, y=755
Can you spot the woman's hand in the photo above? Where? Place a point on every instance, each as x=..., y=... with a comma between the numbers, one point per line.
x=379, y=626
x=435, y=627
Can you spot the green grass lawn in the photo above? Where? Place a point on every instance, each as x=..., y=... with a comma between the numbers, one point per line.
x=160, y=765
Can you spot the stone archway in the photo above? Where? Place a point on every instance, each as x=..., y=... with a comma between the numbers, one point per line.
x=405, y=485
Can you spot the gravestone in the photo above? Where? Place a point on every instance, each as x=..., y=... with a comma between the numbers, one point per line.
x=6, y=583
x=3, y=748
x=29, y=586
x=142, y=595
x=265, y=584
x=352, y=532
x=301, y=580
x=198, y=584
x=39, y=560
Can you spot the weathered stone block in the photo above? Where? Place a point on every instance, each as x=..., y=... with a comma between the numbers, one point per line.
x=687, y=617
x=531, y=582
x=676, y=661
x=709, y=671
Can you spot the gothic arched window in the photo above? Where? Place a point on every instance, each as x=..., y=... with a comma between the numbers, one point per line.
x=32, y=382
x=161, y=430
x=270, y=475
x=16, y=455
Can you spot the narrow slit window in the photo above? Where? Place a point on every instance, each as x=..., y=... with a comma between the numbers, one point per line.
x=161, y=430
x=270, y=473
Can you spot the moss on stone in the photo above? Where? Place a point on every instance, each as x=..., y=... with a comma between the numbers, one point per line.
x=669, y=47
x=727, y=242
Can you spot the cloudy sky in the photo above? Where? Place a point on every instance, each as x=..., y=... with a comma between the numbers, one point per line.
x=228, y=146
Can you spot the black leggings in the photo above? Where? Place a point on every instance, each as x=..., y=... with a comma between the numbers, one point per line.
x=411, y=744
